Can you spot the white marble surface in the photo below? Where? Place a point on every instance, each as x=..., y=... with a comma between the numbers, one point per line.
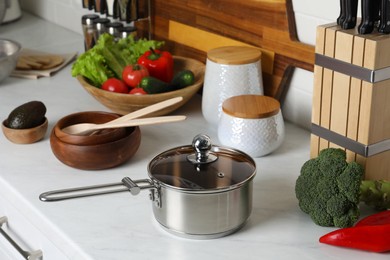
x=121, y=226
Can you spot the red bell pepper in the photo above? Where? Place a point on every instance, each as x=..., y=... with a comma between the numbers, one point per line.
x=159, y=64
x=372, y=233
x=371, y=238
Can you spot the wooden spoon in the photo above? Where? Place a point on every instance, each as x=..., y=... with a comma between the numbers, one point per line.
x=130, y=116
x=85, y=128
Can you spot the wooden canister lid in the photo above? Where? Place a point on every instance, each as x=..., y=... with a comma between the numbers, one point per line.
x=234, y=55
x=251, y=106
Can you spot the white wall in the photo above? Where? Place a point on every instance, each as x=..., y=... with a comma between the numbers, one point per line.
x=308, y=14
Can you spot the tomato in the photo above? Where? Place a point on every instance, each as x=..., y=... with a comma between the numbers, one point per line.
x=132, y=74
x=115, y=85
x=137, y=91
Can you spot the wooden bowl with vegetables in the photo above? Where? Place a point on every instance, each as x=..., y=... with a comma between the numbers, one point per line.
x=123, y=103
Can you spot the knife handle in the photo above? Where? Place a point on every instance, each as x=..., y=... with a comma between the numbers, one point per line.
x=116, y=10
x=88, y=4
x=350, y=14
x=370, y=15
x=132, y=11
x=384, y=26
x=341, y=18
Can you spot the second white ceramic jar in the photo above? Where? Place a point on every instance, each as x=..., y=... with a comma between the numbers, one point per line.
x=251, y=123
x=230, y=71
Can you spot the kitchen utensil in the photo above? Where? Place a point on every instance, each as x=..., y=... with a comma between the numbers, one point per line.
x=25, y=136
x=252, y=124
x=198, y=191
x=9, y=53
x=348, y=14
x=370, y=15
x=103, y=136
x=124, y=103
x=384, y=26
x=341, y=18
x=88, y=4
x=230, y=71
x=136, y=114
x=86, y=128
x=96, y=155
x=132, y=13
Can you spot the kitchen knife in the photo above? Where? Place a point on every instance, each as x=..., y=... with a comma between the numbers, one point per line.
x=370, y=15
x=103, y=6
x=97, y=6
x=116, y=9
x=350, y=14
x=88, y=4
x=132, y=11
x=341, y=18
x=384, y=26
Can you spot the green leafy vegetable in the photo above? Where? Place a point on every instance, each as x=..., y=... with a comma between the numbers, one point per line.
x=330, y=189
x=108, y=57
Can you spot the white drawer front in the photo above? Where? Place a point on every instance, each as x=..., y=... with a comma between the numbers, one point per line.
x=25, y=235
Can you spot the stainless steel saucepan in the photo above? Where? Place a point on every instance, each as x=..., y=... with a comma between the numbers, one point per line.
x=199, y=191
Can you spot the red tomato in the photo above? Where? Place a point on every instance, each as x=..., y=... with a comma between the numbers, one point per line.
x=137, y=91
x=132, y=74
x=115, y=85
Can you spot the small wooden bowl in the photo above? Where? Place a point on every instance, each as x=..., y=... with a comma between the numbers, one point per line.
x=99, y=156
x=25, y=136
x=95, y=117
x=126, y=103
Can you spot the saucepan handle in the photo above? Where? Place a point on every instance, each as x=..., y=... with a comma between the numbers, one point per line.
x=127, y=184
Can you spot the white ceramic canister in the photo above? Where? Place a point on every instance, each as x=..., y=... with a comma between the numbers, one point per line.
x=251, y=123
x=230, y=71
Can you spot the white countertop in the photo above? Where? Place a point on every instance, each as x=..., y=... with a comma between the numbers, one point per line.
x=122, y=226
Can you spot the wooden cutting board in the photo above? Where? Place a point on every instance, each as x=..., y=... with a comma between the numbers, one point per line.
x=192, y=27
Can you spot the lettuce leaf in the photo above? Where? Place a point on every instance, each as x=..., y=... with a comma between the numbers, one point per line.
x=108, y=57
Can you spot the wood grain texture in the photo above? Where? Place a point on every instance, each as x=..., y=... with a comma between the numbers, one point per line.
x=341, y=86
x=124, y=104
x=266, y=24
x=350, y=106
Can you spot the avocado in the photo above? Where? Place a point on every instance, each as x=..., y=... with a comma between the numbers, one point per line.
x=28, y=115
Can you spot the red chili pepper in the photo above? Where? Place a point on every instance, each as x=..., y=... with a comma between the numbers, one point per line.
x=159, y=64
x=381, y=218
x=371, y=238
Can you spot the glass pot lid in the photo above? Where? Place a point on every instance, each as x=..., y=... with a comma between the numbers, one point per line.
x=202, y=167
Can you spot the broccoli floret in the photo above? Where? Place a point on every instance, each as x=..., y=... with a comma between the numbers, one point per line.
x=349, y=181
x=330, y=189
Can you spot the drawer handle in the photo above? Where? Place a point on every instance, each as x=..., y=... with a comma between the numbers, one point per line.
x=26, y=254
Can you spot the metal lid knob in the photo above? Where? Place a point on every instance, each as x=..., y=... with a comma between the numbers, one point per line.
x=202, y=146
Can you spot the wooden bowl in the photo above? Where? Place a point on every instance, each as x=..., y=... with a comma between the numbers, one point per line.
x=99, y=156
x=126, y=103
x=96, y=117
x=25, y=136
